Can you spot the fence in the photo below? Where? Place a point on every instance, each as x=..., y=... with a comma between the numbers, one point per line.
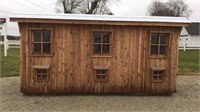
x=12, y=43
x=189, y=45
x=3, y=31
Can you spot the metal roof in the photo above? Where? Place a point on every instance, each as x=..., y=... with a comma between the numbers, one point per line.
x=103, y=18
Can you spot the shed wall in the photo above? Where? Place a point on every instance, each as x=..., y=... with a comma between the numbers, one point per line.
x=72, y=64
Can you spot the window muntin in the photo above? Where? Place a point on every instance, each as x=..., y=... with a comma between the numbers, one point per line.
x=101, y=43
x=41, y=74
x=158, y=74
x=159, y=44
x=101, y=73
x=41, y=42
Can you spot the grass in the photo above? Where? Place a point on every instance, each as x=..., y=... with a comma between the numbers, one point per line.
x=10, y=65
x=188, y=62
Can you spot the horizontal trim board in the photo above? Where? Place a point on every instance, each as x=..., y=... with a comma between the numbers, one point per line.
x=24, y=20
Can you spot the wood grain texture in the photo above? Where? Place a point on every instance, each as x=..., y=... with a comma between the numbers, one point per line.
x=72, y=64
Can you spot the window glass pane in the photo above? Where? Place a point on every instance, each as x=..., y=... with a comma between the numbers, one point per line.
x=160, y=72
x=46, y=48
x=154, y=50
x=160, y=78
x=97, y=49
x=154, y=72
x=36, y=36
x=163, y=50
x=106, y=49
x=106, y=37
x=163, y=38
x=154, y=77
x=46, y=36
x=98, y=72
x=98, y=76
x=103, y=72
x=103, y=77
x=44, y=77
x=97, y=37
x=37, y=48
x=39, y=77
x=154, y=38
x=44, y=70
x=38, y=71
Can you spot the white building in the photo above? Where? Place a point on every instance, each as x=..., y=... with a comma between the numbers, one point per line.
x=190, y=36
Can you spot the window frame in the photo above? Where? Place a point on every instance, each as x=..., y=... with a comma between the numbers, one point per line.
x=106, y=73
x=110, y=43
x=36, y=74
x=158, y=69
x=168, y=44
x=32, y=41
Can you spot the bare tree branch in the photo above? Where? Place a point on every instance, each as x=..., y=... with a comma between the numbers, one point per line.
x=84, y=6
x=175, y=8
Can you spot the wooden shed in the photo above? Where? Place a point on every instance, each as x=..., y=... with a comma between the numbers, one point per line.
x=65, y=53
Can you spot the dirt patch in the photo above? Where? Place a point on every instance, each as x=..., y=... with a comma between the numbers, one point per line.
x=185, y=100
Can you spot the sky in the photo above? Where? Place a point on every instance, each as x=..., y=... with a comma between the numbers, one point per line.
x=120, y=8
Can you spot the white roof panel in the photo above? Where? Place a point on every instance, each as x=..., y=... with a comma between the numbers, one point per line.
x=104, y=18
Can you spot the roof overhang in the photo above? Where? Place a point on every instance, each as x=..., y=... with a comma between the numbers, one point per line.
x=100, y=19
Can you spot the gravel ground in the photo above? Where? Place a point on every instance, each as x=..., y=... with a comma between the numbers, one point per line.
x=185, y=100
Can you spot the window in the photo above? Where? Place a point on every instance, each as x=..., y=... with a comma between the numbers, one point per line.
x=159, y=44
x=101, y=73
x=158, y=74
x=101, y=43
x=41, y=73
x=41, y=42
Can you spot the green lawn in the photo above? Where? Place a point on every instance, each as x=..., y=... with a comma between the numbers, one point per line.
x=10, y=64
x=188, y=62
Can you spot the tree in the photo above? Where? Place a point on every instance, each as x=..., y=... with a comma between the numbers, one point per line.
x=175, y=8
x=83, y=6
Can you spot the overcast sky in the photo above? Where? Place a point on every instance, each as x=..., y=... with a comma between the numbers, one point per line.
x=121, y=8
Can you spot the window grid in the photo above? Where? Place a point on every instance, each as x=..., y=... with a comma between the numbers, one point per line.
x=41, y=74
x=41, y=42
x=158, y=75
x=158, y=45
x=101, y=74
x=101, y=43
